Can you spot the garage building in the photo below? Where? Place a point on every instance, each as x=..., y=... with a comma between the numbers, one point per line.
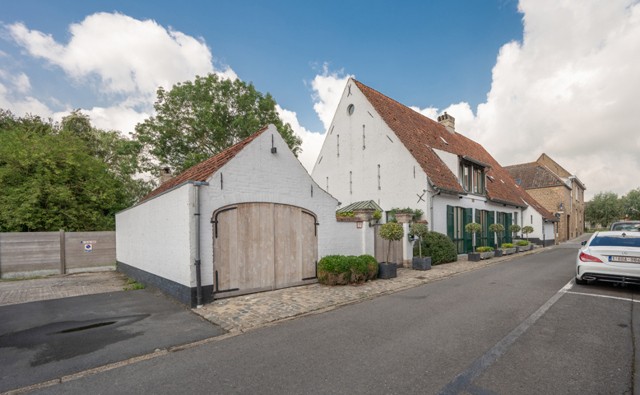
x=249, y=219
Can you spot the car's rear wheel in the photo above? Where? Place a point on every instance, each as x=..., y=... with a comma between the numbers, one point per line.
x=581, y=282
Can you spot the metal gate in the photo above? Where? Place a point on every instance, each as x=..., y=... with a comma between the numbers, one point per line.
x=263, y=246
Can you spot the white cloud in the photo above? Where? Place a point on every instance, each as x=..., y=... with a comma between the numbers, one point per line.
x=127, y=58
x=328, y=88
x=311, y=142
x=14, y=96
x=570, y=89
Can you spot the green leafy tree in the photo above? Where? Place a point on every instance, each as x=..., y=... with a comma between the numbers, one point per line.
x=631, y=204
x=196, y=120
x=603, y=209
x=50, y=179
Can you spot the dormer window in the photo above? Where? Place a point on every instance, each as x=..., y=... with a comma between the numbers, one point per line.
x=472, y=177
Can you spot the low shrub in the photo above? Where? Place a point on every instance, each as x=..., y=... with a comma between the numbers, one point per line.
x=439, y=247
x=507, y=245
x=484, y=249
x=342, y=270
x=522, y=243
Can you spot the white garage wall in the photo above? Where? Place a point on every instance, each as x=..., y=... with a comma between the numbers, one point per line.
x=257, y=175
x=156, y=236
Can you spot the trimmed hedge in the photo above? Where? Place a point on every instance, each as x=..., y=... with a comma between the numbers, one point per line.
x=342, y=270
x=484, y=249
x=522, y=243
x=439, y=247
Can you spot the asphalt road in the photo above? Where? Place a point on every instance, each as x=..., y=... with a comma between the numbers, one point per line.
x=44, y=340
x=519, y=327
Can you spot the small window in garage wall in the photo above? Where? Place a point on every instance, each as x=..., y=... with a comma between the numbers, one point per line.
x=379, y=185
x=338, y=144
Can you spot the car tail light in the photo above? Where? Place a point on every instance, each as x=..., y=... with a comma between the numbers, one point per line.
x=588, y=258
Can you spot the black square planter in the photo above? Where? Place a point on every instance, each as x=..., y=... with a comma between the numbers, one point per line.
x=421, y=263
x=498, y=253
x=474, y=257
x=387, y=270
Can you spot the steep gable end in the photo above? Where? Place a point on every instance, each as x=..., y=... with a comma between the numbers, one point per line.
x=203, y=170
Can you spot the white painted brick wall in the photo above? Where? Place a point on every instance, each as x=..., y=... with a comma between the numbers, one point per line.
x=401, y=177
x=156, y=236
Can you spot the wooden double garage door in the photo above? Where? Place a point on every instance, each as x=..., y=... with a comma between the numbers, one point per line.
x=263, y=246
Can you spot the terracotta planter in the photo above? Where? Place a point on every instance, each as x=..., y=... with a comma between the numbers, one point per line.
x=404, y=218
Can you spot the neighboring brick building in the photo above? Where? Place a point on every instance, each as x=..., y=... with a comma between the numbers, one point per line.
x=557, y=190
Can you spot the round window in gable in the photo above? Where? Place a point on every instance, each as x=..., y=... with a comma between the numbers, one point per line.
x=350, y=109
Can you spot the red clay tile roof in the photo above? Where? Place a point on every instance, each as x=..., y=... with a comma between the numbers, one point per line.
x=203, y=170
x=421, y=135
x=533, y=175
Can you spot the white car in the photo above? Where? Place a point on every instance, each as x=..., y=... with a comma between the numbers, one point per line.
x=612, y=256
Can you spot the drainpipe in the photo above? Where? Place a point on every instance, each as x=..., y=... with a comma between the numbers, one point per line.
x=197, y=185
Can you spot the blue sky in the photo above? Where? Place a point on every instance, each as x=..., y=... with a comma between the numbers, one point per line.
x=428, y=53
x=521, y=77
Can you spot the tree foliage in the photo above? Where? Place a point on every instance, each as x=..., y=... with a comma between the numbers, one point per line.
x=630, y=204
x=196, y=120
x=52, y=177
x=603, y=209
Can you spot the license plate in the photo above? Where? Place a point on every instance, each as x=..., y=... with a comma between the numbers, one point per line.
x=626, y=259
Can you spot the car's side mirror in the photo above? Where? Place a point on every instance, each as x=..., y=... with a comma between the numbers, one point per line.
x=584, y=243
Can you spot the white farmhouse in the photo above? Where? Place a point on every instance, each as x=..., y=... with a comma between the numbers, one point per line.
x=248, y=219
x=379, y=149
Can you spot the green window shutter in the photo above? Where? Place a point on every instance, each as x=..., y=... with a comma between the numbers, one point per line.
x=450, y=222
x=490, y=220
x=467, y=219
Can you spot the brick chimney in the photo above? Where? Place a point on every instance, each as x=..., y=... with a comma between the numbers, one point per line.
x=165, y=174
x=448, y=122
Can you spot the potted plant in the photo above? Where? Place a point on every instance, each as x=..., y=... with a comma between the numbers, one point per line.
x=514, y=229
x=403, y=215
x=495, y=229
x=522, y=245
x=526, y=230
x=391, y=231
x=473, y=228
x=508, y=248
x=419, y=231
x=485, y=252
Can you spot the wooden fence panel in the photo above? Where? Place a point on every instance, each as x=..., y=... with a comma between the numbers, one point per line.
x=44, y=253
x=382, y=246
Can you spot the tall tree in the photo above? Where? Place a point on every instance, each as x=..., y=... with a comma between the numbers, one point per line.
x=603, y=209
x=631, y=204
x=50, y=179
x=196, y=120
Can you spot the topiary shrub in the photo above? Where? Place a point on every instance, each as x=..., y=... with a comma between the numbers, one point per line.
x=342, y=270
x=372, y=266
x=439, y=247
